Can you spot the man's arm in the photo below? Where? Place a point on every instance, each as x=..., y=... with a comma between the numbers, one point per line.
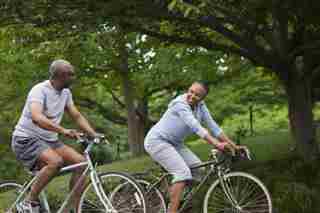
x=42, y=121
x=81, y=121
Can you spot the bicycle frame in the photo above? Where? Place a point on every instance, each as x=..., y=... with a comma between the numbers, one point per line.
x=214, y=169
x=94, y=178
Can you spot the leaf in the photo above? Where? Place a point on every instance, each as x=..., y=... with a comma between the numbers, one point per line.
x=172, y=5
x=187, y=12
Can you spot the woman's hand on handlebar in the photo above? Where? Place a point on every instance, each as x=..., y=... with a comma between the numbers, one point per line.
x=240, y=147
x=225, y=146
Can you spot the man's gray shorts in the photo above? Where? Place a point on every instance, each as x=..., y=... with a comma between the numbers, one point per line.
x=176, y=160
x=28, y=149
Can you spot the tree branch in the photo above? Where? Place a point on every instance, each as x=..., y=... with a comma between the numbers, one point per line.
x=208, y=44
x=121, y=104
x=306, y=47
x=105, y=112
x=161, y=88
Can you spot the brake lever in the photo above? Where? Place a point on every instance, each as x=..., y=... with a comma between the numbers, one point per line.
x=101, y=138
x=82, y=138
x=248, y=154
x=106, y=141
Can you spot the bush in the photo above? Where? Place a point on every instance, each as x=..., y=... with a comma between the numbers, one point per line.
x=102, y=154
x=295, y=197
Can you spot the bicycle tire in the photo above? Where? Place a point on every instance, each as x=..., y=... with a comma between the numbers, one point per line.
x=250, y=194
x=9, y=191
x=129, y=199
x=154, y=197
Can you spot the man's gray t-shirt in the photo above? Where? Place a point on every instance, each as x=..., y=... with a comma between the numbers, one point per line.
x=53, y=102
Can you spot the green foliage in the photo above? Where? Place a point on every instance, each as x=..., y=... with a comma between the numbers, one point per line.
x=293, y=184
x=296, y=197
x=102, y=154
x=264, y=119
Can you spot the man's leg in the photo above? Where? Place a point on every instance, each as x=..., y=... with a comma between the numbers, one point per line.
x=50, y=163
x=70, y=156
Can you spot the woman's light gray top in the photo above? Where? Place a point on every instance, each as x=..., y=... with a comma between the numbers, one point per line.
x=180, y=121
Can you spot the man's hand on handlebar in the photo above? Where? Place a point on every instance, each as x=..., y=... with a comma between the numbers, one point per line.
x=96, y=138
x=81, y=137
x=72, y=133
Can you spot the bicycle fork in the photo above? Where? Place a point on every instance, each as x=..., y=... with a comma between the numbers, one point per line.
x=227, y=190
x=96, y=182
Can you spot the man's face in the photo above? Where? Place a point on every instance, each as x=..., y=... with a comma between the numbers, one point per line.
x=195, y=94
x=67, y=76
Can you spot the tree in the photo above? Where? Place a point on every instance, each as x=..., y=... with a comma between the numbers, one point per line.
x=112, y=66
x=141, y=69
x=279, y=35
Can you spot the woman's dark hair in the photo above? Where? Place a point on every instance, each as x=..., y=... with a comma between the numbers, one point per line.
x=204, y=84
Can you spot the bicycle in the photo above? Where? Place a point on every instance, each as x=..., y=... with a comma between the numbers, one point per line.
x=98, y=196
x=230, y=192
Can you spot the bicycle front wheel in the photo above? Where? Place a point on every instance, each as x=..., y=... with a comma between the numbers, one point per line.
x=154, y=197
x=240, y=193
x=9, y=192
x=128, y=199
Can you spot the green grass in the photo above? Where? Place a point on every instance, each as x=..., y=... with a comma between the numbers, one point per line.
x=263, y=147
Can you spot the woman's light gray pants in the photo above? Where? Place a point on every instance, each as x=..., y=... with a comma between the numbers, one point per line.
x=176, y=160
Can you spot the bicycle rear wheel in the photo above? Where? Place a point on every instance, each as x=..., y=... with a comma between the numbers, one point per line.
x=127, y=199
x=9, y=192
x=248, y=193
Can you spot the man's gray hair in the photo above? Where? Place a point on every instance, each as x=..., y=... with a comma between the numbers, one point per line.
x=56, y=65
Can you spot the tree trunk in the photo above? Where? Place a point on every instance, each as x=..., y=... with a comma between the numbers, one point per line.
x=137, y=117
x=143, y=121
x=300, y=107
x=135, y=140
x=134, y=125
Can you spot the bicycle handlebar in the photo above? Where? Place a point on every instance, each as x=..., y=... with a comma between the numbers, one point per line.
x=243, y=154
x=97, y=139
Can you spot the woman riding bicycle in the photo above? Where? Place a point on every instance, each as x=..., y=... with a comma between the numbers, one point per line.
x=164, y=142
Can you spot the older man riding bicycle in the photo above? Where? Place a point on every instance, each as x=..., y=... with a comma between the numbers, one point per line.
x=35, y=138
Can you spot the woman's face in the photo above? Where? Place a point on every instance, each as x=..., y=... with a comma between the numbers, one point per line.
x=195, y=94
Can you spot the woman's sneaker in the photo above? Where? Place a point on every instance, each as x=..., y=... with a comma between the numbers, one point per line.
x=27, y=206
